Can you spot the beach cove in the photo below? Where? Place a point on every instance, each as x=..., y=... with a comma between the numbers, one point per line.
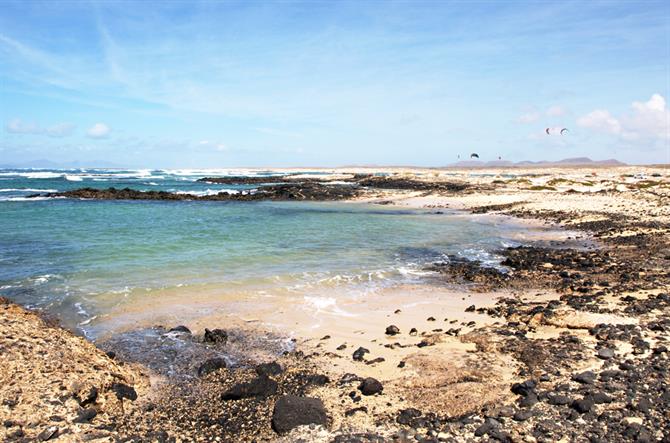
x=413, y=304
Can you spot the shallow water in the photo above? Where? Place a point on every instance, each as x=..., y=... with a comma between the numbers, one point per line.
x=82, y=259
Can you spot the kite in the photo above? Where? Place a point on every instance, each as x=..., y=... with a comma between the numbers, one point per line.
x=559, y=130
x=474, y=155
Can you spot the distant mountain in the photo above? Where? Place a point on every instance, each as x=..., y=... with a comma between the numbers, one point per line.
x=577, y=161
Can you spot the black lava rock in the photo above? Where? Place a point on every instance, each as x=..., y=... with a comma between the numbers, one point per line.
x=291, y=411
x=406, y=416
x=86, y=415
x=181, y=328
x=370, y=386
x=583, y=405
x=392, y=330
x=643, y=405
x=524, y=388
x=211, y=365
x=215, y=336
x=523, y=415
x=601, y=397
x=360, y=353
x=559, y=399
x=529, y=400
x=488, y=426
x=262, y=386
x=86, y=395
x=268, y=369
x=318, y=379
x=587, y=377
x=124, y=391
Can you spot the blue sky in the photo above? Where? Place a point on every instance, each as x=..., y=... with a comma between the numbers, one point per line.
x=219, y=84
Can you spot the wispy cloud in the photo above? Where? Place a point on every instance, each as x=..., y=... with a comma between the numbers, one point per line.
x=18, y=126
x=98, y=130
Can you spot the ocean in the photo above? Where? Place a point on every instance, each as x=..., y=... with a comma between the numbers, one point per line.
x=81, y=260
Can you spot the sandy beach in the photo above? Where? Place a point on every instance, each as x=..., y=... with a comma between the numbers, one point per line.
x=569, y=345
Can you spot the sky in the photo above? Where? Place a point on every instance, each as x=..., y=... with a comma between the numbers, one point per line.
x=319, y=83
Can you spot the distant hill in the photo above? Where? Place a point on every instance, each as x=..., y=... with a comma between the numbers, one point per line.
x=577, y=161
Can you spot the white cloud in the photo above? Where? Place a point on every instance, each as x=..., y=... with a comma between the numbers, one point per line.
x=648, y=120
x=600, y=120
x=651, y=118
x=98, y=130
x=18, y=126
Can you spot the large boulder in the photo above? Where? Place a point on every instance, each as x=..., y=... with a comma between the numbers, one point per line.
x=291, y=411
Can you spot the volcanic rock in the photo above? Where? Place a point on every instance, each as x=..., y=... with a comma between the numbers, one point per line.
x=262, y=386
x=215, y=336
x=268, y=369
x=359, y=353
x=370, y=386
x=291, y=411
x=392, y=330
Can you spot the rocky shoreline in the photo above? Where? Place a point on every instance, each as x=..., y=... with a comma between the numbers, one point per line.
x=274, y=188
x=589, y=364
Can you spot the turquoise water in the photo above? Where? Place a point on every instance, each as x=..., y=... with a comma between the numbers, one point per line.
x=68, y=256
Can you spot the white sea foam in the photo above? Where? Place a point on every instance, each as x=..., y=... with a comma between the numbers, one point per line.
x=190, y=174
x=326, y=304
x=409, y=271
x=73, y=178
x=41, y=279
x=208, y=192
x=87, y=321
x=41, y=174
x=28, y=190
x=80, y=309
x=337, y=182
x=26, y=199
